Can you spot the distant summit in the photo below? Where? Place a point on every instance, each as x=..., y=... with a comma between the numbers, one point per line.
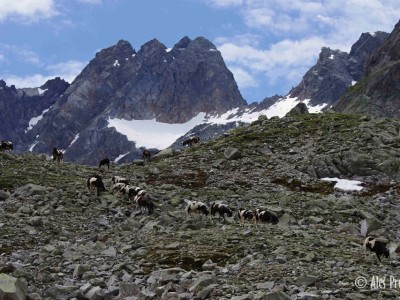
x=377, y=93
x=154, y=83
x=329, y=79
x=336, y=71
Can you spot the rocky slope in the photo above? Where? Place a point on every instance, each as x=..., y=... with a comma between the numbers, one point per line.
x=62, y=242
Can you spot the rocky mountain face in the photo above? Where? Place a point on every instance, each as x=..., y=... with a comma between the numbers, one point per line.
x=19, y=106
x=60, y=241
x=170, y=86
x=336, y=71
x=378, y=91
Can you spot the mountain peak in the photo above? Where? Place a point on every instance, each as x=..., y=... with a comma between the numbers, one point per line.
x=152, y=46
x=201, y=42
x=183, y=43
x=121, y=49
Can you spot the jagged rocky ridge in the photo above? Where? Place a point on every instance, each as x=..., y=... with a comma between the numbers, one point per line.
x=65, y=242
x=168, y=85
x=378, y=91
x=336, y=71
x=19, y=106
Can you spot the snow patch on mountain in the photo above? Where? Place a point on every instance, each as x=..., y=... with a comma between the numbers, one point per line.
x=154, y=134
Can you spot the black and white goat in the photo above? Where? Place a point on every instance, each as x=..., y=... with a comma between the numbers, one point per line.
x=266, y=216
x=197, y=207
x=144, y=201
x=118, y=188
x=105, y=162
x=58, y=155
x=190, y=141
x=378, y=247
x=119, y=179
x=141, y=199
x=146, y=155
x=6, y=145
x=126, y=189
x=246, y=214
x=221, y=209
x=95, y=182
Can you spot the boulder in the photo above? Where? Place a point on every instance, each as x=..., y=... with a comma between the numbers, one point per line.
x=12, y=288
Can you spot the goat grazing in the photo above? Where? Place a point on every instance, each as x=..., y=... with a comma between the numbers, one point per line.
x=118, y=187
x=6, y=145
x=196, y=206
x=95, y=182
x=221, y=209
x=146, y=155
x=245, y=214
x=105, y=162
x=119, y=179
x=266, y=216
x=141, y=199
x=144, y=201
x=58, y=156
x=378, y=247
x=190, y=141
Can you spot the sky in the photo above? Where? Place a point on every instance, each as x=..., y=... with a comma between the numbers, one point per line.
x=267, y=44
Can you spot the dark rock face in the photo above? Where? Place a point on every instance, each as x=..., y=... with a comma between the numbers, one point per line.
x=19, y=106
x=361, y=51
x=153, y=83
x=378, y=92
x=267, y=102
x=336, y=71
x=327, y=80
x=175, y=86
x=299, y=109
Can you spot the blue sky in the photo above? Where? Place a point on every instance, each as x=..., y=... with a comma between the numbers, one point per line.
x=267, y=44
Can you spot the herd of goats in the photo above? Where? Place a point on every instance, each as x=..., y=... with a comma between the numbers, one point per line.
x=142, y=200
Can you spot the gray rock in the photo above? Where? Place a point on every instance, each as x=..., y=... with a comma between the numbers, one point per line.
x=3, y=195
x=276, y=296
x=80, y=270
x=61, y=292
x=31, y=190
x=232, y=153
x=368, y=225
x=95, y=293
x=12, y=288
x=308, y=280
x=202, y=282
x=128, y=289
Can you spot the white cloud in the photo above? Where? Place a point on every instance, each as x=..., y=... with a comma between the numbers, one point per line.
x=19, y=54
x=225, y=3
x=30, y=81
x=67, y=71
x=243, y=78
x=27, y=10
x=281, y=62
x=91, y=1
